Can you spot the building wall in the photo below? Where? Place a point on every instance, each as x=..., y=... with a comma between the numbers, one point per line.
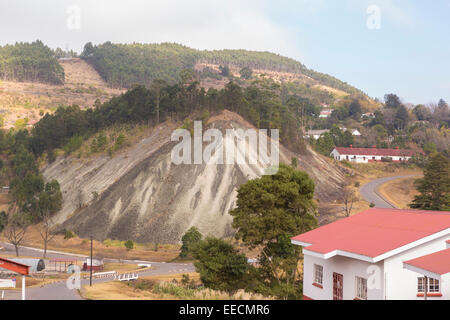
x=362, y=158
x=349, y=268
x=394, y=282
x=401, y=284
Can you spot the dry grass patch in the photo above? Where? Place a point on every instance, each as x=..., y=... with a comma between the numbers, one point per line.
x=400, y=192
x=76, y=245
x=163, y=287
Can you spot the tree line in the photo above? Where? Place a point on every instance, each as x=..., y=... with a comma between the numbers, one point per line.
x=260, y=105
x=124, y=65
x=34, y=62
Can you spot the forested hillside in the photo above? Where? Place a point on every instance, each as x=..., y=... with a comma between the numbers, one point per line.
x=33, y=62
x=261, y=106
x=124, y=65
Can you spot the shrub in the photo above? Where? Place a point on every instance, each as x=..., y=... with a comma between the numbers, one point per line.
x=119, y=141
x=68, y=234
x=347, y=164
x=190, y=238
x=73, y=144
x=372, y=205
x=3, y=220
x=357, y=184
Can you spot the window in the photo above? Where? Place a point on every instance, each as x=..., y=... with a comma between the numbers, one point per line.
x=433, y=285
x=361, y=288
x=318, y=274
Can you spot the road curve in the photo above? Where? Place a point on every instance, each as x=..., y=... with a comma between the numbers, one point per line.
x=370, y=192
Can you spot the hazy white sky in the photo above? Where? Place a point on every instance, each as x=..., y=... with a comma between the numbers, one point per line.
x=409, y=55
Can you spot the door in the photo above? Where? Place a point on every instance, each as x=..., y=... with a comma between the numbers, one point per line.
x=338, y=286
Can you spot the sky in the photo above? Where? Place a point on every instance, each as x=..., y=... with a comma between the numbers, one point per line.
x=378, y=46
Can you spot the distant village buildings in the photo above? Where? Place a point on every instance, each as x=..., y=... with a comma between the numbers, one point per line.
x=368, y=115
x=315, y=134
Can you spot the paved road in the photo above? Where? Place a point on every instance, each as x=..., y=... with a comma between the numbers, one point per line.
x=59, y=290
x=371, y=195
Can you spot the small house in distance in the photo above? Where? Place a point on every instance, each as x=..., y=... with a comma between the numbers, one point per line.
x=366, y=155
x=325, y=113
x=315, y=134
x=97, y=265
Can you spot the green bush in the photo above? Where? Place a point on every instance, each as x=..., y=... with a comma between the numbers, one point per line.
x=173, y=289
x=99, y=143
x=3, y=220
x=68, y=234
x=189, y=239
x=357, y=184
x=73, y=144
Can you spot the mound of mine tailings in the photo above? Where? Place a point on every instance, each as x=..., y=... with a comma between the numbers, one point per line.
x=143, y=196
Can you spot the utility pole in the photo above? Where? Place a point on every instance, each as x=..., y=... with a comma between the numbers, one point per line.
x=90, y=276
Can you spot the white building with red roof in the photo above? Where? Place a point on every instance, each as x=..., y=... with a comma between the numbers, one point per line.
x=378, y=254
x=365, y=155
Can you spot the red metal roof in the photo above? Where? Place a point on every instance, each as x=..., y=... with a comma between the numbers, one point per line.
x=438, y=262
x=377, y=152
x=14, y=266
x=375, y=231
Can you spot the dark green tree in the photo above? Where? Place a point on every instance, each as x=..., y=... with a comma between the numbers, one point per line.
x=269, y=211
x=225, y=71
x=220, y=265
x=3, y=220
x=246, y=73
x=189, y=239
x=354, y=109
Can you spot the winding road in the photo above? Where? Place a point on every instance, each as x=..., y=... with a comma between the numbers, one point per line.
x=370, y=191
x=60, y=291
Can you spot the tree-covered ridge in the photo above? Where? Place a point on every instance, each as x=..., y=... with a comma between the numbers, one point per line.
x=261, y=105
x=33, y=62
x=124, y=65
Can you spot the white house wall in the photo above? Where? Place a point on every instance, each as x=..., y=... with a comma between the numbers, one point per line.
x=401, y=284
x=363, y=158
x=349, y=268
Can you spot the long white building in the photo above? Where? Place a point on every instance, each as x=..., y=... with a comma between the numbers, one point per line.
x=365, y=155
x=378, y=254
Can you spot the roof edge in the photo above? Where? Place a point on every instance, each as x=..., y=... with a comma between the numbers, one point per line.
x=421, y=271
x=375, y=259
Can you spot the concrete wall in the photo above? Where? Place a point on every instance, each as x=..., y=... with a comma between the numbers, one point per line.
x=393, y=281
x=363, y=158
x=349, y=268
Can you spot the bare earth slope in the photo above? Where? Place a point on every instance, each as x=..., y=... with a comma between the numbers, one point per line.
x=83, y=85
x=145, y=197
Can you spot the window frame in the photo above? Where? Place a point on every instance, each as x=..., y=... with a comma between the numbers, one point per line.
x=433, y=285
x=318, y=268
x=360, y=284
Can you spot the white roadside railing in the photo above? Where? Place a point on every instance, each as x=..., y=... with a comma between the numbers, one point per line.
x=101, y=275
x=127, y=276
